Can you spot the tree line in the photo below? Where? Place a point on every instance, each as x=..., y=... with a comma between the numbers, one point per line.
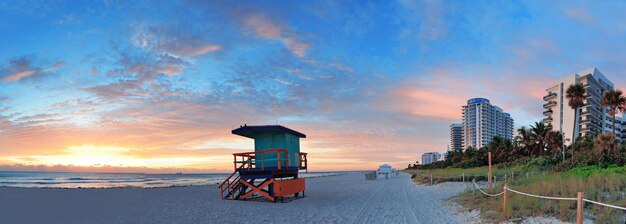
x=540, y=142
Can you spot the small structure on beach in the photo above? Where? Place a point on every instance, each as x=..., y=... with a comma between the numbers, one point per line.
x=272, y=169
x=384, y=169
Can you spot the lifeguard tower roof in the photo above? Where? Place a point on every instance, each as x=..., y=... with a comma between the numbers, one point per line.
x=252, y=131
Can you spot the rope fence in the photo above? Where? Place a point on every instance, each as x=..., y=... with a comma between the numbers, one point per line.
x=579, y=199
x=539, y=196
x=490, y=195
x=607, y=205
x=468, y=177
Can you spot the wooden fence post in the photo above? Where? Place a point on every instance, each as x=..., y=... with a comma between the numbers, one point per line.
x=579, y=208
x=504, y=203
x=431, y=179
x=489, y=155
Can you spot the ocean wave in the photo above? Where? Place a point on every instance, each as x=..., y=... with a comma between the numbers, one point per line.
x=112, y=180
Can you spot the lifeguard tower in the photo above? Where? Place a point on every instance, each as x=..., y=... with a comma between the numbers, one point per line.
x=271, y=170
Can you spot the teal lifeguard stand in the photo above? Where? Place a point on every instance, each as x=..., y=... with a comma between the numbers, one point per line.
x=276, y=155
x=270, y=138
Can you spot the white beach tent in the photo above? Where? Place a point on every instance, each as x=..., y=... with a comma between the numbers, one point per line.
x=384, y=169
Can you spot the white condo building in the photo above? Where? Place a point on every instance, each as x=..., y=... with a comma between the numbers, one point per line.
x=593, y=118
x=430, y=157
x=483, y=121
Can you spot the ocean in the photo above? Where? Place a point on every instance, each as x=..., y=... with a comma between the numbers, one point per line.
x=114, y=180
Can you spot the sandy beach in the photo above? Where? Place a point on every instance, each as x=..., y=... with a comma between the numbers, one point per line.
x=345, y=198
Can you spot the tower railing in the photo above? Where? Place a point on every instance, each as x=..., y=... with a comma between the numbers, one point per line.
x=303, y=161
x=255, y=160
x=252, y=158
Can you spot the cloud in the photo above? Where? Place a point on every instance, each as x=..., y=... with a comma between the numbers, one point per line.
x=200, y=50
x=138, y=74
x=21, y=68
x=263, y=27
x=80, y=103
x=36, y=117
x=171, y=40
x=55, y=66
x=580, y=14
x=441, y=94
x=279, y=85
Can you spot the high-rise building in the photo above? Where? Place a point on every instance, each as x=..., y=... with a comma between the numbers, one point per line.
x=456, y=136
x=593, y=118
x=483, y=121
x=430, y=157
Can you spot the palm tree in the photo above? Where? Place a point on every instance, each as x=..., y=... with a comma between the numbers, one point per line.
x=524, y=140
x=576, y=95
x=554, y=140
x=605, y=142
x=500, y=148
x=539, y=133
x=455, y=156
x=615, y=100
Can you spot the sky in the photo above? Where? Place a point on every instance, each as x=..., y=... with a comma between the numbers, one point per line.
x=157, y=86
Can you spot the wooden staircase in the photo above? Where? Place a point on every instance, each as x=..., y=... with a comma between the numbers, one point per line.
x=231, y=185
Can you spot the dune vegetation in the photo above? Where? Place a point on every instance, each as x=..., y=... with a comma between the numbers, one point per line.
x=594, y=165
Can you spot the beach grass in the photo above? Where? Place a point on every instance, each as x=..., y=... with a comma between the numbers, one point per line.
x=478, y=173
x=606, y=185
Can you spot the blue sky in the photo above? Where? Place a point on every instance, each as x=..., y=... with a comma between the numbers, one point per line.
x=368, y=81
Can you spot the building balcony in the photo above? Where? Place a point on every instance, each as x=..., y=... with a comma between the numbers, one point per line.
x=549, y=96
x=587, y=121
x=590, y=129
x=587, y=109
x=547, y=120
x=549, y=104
x=547, y=113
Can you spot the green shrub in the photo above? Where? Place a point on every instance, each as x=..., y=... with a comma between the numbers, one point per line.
x=586, y=171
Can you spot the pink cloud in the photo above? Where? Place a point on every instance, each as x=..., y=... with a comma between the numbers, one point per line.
x=26, y=70
x=442, y=94
x=265, y=28
x=172, y=41
x=19, y=75
x=203, y=49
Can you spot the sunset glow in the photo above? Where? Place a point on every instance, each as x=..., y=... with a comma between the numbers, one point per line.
x=147, y=87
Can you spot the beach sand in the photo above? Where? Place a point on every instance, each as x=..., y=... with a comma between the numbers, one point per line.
x=345, y=198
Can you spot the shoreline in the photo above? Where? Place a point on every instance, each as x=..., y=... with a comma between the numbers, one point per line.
x=124, y=180
x=173, y=186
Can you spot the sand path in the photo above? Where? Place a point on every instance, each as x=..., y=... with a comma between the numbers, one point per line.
x=346, y=198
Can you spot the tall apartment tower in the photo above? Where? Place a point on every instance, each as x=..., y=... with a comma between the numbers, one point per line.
x=593, y=118
x=483, y=121
x=456, y=136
